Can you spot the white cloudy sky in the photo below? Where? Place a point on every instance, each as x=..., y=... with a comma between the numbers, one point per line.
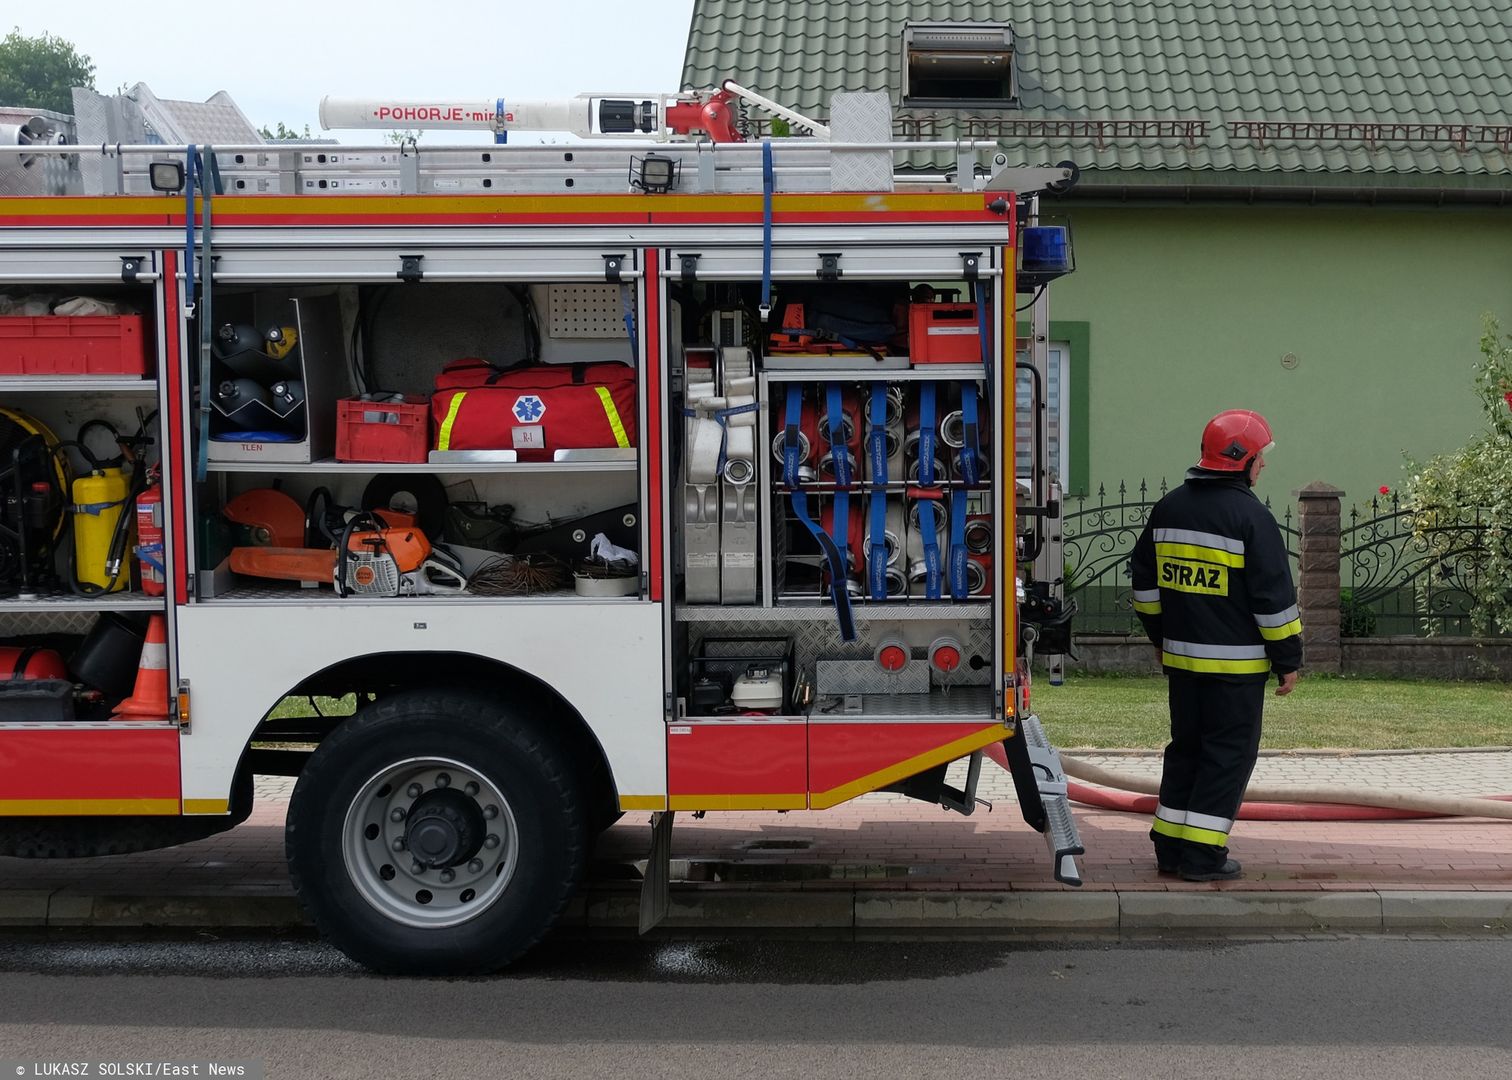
x=278, y=58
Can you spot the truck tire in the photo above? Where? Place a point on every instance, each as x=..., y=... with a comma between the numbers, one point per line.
x=436, y=833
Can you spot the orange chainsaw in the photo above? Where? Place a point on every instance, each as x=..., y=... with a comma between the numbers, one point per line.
x=378, y=553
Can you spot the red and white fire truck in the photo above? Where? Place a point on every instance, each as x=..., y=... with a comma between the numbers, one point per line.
x=495, y=491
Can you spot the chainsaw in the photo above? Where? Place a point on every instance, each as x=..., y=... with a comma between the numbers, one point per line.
x=378, y=553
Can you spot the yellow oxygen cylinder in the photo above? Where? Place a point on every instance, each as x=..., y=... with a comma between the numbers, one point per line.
x=99, y=501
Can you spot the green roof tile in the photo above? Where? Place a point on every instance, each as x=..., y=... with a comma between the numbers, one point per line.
x=1373, y=61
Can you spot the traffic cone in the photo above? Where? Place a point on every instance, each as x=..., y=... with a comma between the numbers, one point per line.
x=150, y=696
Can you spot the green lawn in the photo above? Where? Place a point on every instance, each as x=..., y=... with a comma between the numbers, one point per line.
x=1363, y=714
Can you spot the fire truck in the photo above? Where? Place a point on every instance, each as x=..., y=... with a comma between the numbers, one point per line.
x=496, y=491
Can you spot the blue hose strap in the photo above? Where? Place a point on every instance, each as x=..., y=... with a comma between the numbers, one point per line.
x=722, y=419
x=927, y=434
x=980, y=294
x=877, y=450
x=931, y=549
x=958, y=559
x=629, y=305
x=971, y=471
x=768, y=182
x=834, y=408
x=832, y=556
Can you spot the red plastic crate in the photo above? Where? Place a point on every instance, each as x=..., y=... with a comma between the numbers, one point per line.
x=73, y=345
x=392, y=431
x=944, y=334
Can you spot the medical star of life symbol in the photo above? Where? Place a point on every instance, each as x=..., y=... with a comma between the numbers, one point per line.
x=529, y=408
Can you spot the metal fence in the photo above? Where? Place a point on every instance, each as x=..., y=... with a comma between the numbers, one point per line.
x=1099, y=532
x=1403, y=572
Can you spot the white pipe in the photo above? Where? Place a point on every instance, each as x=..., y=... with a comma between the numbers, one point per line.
x=1455, y=806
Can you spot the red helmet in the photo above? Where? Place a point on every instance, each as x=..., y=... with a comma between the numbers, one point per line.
x=1232, y=439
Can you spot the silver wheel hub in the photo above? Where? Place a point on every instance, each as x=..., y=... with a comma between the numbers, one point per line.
x=430, y=842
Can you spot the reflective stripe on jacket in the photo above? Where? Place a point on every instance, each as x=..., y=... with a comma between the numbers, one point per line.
x=1213, y=584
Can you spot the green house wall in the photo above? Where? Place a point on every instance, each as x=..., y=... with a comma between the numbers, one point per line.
x=1190, y=310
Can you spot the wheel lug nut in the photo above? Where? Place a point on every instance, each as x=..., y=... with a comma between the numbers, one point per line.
x=491, y=841
x=443, y=780
x=472, y=789
x=448, y=876
x=415, y=791
x=417, y=866
x=490, y=812
x=475, y=867
x=398, y=844
x=396, y=814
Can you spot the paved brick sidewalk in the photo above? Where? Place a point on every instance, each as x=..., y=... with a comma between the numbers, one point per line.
x=885, y=842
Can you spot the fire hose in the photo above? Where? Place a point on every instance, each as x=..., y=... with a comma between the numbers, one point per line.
x=1277, y=802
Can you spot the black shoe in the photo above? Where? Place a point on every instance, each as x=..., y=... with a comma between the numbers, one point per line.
x=1227, y=872
x=1167, y=867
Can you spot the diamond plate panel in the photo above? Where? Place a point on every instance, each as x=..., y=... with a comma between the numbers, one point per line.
x=861, y=118
x=865, y=677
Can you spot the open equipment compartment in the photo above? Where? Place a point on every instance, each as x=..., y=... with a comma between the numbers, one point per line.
x=522, y=402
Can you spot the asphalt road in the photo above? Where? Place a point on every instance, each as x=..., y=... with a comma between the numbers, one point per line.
x=1366, y=1007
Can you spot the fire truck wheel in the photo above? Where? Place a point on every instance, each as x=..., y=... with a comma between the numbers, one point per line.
x=436, y=833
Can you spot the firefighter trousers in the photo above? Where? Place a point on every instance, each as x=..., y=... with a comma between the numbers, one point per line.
x=1215, y=739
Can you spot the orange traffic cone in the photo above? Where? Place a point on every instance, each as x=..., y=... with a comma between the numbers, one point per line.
x=150, y=696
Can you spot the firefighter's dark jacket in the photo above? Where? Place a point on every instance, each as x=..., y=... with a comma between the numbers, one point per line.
x=1212, y=582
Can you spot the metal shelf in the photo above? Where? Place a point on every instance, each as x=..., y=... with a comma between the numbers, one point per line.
x=959, y=702
x=122, y=601
x=292, y=595
x=914, y=611
x=76, y=384
x=817, y=372
x=503, y=468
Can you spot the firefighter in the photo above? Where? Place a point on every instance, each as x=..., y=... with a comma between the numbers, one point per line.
x=1213, y=587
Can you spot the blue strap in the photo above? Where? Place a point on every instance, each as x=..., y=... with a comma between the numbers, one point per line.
x=958, y=560
x=927, y=434
x=722, y=417
x=630, y=322
x=931, y=549
x=877, y=441
x=832, y=556
x=980, y=295
x=970, y=440
x=500, y=137
x=768, y=182
x=834, y=408
x=151, y=556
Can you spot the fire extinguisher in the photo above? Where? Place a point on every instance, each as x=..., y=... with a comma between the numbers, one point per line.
x=149, y=549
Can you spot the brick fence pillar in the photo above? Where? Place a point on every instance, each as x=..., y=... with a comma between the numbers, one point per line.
x=1318, y=575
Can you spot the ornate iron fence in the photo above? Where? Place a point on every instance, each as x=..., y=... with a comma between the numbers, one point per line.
x=1397, y=578
x=1098, y=533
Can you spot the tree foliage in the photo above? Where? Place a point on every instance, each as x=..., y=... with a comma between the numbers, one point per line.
x=283, y=131
x=1462, y=501
x=41, y=72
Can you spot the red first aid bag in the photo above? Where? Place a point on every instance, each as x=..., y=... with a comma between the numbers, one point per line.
x=535, y=409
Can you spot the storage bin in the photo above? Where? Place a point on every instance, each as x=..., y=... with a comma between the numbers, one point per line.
x=73, y=345
x=385, y=431
x=944, y=334
x=36, y=701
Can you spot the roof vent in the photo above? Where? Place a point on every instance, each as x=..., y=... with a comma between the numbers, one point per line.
x=958, y=65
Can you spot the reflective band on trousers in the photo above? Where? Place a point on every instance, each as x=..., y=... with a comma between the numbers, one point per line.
x=620, y=438
x=1147, y=601
x=1214, y=659
x=1201, y=539
x=1190, y=825
x=443, y=437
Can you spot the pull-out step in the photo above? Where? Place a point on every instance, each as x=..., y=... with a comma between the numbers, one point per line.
x=1060, y=827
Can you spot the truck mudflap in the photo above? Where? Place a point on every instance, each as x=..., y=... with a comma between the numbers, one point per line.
x=1040, y=783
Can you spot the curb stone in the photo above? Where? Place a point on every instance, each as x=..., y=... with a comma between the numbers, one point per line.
x=854, y=910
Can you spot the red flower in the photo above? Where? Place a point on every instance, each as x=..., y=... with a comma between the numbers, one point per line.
x=1385, y=490
x=1508, y=396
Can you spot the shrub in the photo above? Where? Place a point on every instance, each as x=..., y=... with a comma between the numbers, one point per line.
x=1461, y=502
